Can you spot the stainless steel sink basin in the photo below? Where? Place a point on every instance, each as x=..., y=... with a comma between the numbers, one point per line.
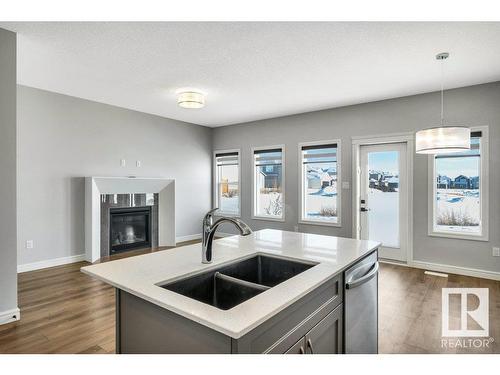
x=232, y=284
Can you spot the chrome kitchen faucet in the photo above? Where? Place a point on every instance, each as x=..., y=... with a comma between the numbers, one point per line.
x=209, y=229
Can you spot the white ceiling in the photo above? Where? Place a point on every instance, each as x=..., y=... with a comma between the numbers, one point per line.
x=251, y=71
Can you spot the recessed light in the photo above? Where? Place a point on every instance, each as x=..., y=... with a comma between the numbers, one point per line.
x=191, y=99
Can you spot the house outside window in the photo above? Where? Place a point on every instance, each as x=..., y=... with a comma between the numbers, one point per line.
x=319, y=193
x=268, y=183
x=458, y=204
x=227, y=196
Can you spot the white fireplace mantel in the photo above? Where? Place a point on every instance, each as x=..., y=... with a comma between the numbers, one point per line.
x=95, y=186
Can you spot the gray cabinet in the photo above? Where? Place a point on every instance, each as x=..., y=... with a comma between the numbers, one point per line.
x=143, y=327
x=278, y=334
x=298, y=348
x=326, y=336
x=311, y=325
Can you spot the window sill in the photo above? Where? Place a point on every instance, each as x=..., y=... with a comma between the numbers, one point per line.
x=227, y=214
x=320, y=223
x=459, y=236
x=268, y=218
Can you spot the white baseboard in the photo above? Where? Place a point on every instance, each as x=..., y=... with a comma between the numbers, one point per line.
x=456, y=270
x=50, y=263
x=190, y=237
x=439, y=274
x=10, y=316
x=81, y=257
x=393, y=262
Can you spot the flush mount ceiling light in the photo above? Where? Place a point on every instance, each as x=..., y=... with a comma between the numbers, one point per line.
x=191, y=99
x=442, y=139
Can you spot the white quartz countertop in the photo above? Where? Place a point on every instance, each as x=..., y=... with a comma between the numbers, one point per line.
x=141, y=275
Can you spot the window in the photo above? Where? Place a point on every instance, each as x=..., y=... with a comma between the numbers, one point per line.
x=268, y=186
x=458, y=202
x=227, y=182
x=319, y=178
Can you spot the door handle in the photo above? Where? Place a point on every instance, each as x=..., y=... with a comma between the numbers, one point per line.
x=354, y=283
x=310, y=345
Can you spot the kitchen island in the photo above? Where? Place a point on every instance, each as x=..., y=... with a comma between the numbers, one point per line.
x=169, y=302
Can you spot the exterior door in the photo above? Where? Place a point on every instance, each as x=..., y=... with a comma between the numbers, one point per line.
x=384, y=198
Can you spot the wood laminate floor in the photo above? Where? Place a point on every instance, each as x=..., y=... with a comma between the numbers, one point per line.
x=410, y=311
x=65, y=311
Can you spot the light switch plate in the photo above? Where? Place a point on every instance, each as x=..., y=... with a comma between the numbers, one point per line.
x=123, y=162
x=138, y=163
x=496, y=252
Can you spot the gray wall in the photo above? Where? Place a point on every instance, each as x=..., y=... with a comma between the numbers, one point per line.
x=476, y=105
x=8, y=243
x=62, y=139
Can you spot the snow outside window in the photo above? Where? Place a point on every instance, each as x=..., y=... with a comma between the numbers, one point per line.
x=268, y=183
x=319, y=183
x=458, y=191
x=227, y=182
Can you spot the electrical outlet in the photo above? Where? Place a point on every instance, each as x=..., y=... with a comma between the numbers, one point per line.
x=138, y=163
x=123, y=162
x=296, y=228
x=496, y=252
x=29, y=244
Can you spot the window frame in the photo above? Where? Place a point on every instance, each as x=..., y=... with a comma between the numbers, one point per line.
x=483, y=192
x=283, y=180
x=300, y=173
x=215, y=184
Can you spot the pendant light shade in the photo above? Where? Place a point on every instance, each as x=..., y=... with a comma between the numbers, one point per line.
x=442, y=139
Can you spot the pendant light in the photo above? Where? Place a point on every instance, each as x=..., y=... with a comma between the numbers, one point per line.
x=442, y=139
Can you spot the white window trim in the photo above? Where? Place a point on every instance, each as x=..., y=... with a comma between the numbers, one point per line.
x=483, y=192
x=215, y=188
x=339, y=184
x=283, y=178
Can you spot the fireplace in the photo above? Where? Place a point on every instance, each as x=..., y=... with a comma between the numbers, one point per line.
x=129, y=228
x=102, y=194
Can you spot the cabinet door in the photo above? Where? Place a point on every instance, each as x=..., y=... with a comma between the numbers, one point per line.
x=326, y=336
x=298, y=348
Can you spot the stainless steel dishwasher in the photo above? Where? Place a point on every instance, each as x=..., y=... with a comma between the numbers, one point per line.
x=361, y=307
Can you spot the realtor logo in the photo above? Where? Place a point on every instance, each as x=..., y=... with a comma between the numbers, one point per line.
x=468, y=316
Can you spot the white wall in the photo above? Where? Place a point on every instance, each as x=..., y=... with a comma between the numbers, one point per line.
x=475, y=105
x=62, y=139
x=8, y=240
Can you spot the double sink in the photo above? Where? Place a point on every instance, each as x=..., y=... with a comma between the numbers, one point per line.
x=231, y=284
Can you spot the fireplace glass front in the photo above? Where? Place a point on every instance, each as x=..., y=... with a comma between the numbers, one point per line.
x=129, y=228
